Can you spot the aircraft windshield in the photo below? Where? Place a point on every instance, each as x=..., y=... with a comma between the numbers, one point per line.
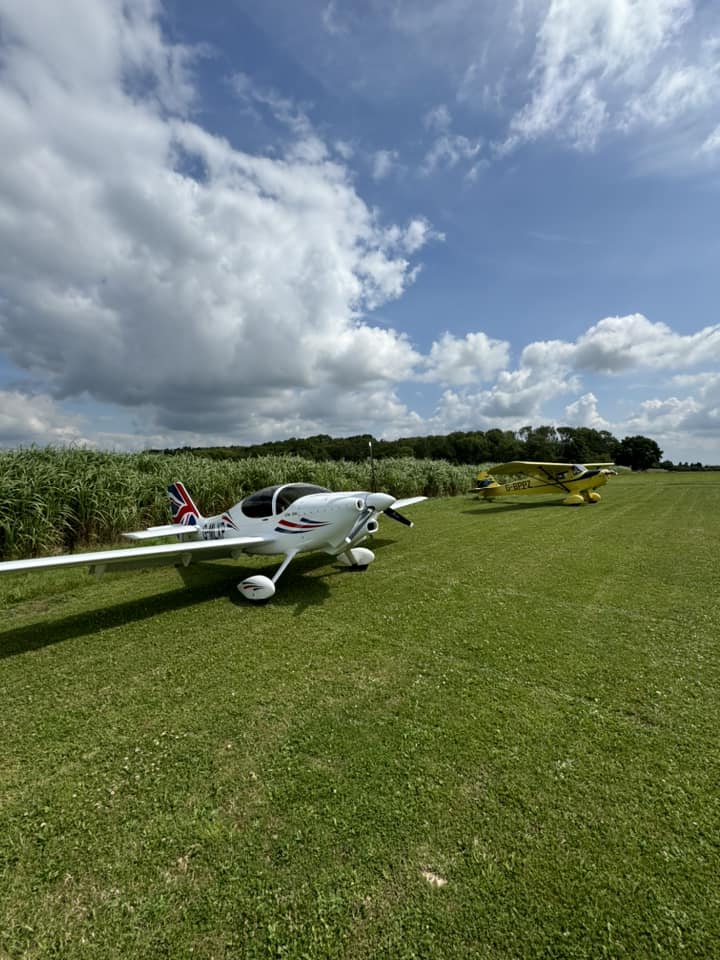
x=292, y=492
x=272, y=500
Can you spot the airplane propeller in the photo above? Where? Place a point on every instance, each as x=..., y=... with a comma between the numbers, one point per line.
x=394, y=515
x=380, y=503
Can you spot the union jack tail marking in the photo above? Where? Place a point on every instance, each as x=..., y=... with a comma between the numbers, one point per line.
x=183, y=509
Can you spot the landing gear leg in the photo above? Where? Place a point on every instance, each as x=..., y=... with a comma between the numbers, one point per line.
x=259, y=588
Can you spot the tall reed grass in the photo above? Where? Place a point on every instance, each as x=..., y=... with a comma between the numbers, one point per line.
x=54, y=500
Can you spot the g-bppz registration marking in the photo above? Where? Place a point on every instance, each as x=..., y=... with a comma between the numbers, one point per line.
x=518, y=485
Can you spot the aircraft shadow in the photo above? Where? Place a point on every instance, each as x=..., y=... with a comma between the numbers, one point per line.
x=202, y=582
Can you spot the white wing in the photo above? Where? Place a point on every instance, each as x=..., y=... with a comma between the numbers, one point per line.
x=137, y=557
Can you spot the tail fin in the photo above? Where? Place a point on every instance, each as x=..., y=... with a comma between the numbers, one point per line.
x=183, y=509
x=485, y=479
x=485, y=484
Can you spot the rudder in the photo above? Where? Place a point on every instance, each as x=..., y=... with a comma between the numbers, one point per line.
x=183, y=508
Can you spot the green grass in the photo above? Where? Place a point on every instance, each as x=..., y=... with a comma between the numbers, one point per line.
x=518, y=697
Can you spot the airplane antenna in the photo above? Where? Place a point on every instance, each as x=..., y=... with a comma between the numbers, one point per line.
x=372, y=468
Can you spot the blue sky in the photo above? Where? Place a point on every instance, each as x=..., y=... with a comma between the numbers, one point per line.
x=232, y=222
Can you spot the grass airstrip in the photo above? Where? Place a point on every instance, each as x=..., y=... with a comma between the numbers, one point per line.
x=501, y=741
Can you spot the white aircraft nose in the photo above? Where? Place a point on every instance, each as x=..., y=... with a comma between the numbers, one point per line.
x=381, y=501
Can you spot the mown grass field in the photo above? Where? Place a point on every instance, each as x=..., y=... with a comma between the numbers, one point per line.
x=501, y=741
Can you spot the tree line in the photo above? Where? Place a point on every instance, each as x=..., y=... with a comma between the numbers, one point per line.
x=546, y=443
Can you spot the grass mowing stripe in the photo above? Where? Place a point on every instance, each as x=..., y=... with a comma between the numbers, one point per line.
x=183, y=774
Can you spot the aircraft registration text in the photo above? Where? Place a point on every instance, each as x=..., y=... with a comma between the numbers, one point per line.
x=213, y=531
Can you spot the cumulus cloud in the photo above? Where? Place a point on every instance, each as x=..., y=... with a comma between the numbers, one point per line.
x=471, y=359
x=583, y=412
x=36, y=419
x=550, y=370
x=517, y=397
x=151, y=264
x=221, y=295
x=616, y=344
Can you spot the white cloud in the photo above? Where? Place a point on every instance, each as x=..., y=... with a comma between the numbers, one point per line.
x=664, y=415
x=711, y=144
x=438, y=120
x=472, y=359
x=517, y=397
x=448, y=149
x=551, y=370
x=584, y=412
x=678, y=91
x=610, y=64
x=616, y=344
x=331, y=21
x=417, y=233
x=27, y=419
x=383, y=162
x=547, y=355
x=151, y=264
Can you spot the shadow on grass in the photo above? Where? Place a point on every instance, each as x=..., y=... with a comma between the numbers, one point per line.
x=296, y=588
x=488, y=507
x=202, y=582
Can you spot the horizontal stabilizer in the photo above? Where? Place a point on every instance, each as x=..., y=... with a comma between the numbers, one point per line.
x=166, y=530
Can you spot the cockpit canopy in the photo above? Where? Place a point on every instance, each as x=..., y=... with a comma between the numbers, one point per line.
x=273, y=500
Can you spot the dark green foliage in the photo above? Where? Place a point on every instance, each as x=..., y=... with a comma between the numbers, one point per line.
x=639, y=453
x=576, y=444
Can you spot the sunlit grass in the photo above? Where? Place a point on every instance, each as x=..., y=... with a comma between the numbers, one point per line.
x=500, y=741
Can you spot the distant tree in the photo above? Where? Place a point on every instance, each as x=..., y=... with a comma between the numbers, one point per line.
x=638, y=453
x=503, y=445
x=586, y=445
x=541, y=443
x=404, y=450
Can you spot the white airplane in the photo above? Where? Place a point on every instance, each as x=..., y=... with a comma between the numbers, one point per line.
x=286, y=519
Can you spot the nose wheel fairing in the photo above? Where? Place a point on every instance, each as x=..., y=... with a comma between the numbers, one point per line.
x=359, y=558
x=259, y=587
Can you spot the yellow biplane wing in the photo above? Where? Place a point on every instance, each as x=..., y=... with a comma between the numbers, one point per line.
x=543, y=471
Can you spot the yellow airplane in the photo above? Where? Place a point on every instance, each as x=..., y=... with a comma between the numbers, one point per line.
x=576, y=481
